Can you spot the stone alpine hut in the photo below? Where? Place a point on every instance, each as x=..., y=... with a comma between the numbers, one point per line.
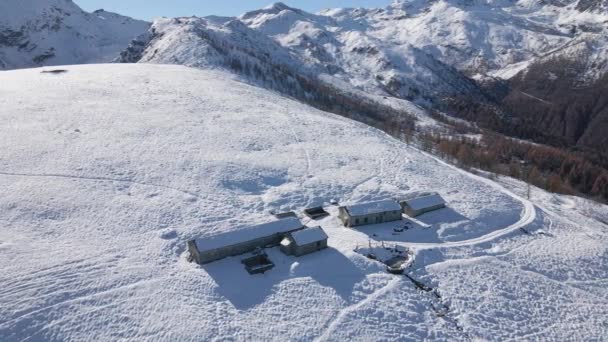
x=304, y=241
x=419, y=204
x=241, y=241
x=370, y=213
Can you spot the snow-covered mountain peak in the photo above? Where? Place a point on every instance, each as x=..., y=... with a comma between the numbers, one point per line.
x=280, y=18
x=207, y=42
x=15, y=14
x=413, y=4
x=421, y=50
x=273, y=9
x=279, y=40
x=279, y=6
x=417, y=50
x=597, y=6
x=52, y=32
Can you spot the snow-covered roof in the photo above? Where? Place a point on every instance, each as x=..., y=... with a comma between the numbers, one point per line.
x=285, y=225
x=427, y=201
x=372, y=208
x=418, y=194
x=308, y=235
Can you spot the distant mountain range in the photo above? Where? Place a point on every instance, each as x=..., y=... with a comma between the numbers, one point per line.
x=530, y=68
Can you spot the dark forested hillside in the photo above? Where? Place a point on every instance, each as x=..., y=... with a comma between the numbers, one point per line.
x=551, y=97
x=592, y=5
x=553, y=102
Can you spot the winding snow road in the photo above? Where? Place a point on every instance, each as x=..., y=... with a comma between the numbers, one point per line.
x=528, y=214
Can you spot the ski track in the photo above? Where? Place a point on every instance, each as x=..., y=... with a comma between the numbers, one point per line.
x=78, y=299
x=527, y=216
x=589, y=231
x=103, y=179
x=296, y=138
x=349, y=309
x=528, y=213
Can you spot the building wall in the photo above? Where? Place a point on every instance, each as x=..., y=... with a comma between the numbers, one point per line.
x=287, y=250
x=388, y=216
x=343, y=216
x=309, y=248
x=242, y=248
x=413, y=213
x=194, y=251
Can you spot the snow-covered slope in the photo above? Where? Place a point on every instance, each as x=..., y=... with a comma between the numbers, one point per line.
x=53, y=32
x=110, y=169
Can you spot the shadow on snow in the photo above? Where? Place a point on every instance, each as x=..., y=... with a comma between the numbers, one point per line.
x=421, y=229
x=329, y=268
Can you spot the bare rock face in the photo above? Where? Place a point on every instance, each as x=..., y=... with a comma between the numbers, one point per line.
x=593, y=5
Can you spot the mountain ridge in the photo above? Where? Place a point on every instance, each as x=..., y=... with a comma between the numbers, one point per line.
x=437, y=54
x=54, y=32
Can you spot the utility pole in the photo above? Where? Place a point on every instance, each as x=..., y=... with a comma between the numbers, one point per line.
x=528, y=186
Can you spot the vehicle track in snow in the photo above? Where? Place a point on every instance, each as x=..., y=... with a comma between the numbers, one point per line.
x=297, y=139
x=352, y=308
x=77, y=298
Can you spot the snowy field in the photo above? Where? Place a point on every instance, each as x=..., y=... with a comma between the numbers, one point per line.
x=107, y=170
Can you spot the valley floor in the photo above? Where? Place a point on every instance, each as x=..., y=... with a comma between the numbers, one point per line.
x=107, y=170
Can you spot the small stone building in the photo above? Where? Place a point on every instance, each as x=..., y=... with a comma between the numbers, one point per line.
x=304, y=241
x=370, y=213
x=257, y=264
x=419, y=204
x=316, y=213
x=285, y=215
x=241, y=241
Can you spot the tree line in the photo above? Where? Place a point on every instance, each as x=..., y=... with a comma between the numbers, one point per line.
x=549, y=168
